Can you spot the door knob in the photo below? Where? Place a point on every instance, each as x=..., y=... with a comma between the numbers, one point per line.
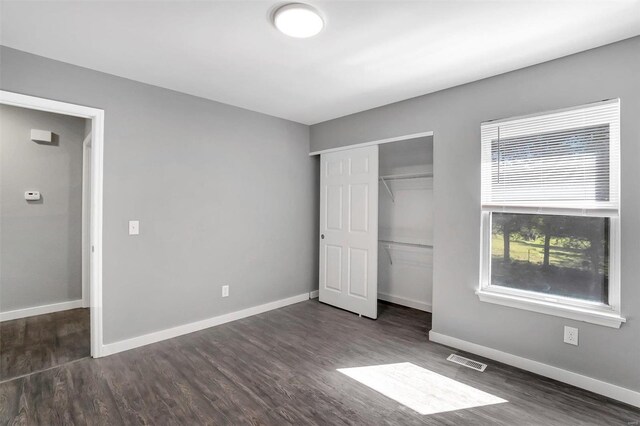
x=322, y=236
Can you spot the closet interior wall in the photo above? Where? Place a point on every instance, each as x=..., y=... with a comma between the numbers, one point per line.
x=405, y=223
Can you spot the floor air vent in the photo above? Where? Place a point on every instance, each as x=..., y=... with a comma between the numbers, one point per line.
x=467, y=362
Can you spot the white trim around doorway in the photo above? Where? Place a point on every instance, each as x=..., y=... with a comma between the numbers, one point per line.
x=86, y=221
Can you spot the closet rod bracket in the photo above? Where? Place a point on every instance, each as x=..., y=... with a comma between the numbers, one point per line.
x=393, y=199
x=386, y=248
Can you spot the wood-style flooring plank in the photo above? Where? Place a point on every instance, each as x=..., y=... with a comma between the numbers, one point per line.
x=40, y=342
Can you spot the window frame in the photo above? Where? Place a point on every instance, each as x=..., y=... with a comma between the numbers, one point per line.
x=597, y=313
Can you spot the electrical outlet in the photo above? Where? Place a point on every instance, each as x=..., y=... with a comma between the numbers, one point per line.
x=225, y=291
x=571, y=335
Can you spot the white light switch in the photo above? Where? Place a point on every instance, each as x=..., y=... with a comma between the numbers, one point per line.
x=134, y=227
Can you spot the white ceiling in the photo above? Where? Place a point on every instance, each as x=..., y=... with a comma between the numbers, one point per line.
x=370, y=53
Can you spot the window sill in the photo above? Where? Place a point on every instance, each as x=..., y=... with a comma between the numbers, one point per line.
x=607, y=319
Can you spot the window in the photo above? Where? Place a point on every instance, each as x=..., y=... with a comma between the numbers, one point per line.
x=553, y=255
x=550, y=213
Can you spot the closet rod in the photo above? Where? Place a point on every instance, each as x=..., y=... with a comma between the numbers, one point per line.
x=407, y=176
x=400, y=243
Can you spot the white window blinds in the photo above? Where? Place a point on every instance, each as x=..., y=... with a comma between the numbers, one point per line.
x=563, y=162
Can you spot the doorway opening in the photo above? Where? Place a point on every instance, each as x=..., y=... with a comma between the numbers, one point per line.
x=50, y=233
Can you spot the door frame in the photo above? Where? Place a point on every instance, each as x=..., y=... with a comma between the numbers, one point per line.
x=401, y=138
x=86, y=221
x=96, y=217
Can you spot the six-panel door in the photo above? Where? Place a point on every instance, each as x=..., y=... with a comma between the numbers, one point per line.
x=349, y=230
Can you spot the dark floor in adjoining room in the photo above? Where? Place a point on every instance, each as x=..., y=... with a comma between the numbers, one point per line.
x=279, y=368
x=40, y=342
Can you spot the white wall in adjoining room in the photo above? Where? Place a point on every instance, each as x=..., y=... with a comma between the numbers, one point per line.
x=40, y=241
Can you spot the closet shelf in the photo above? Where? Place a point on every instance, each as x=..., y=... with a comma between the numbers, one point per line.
x=386, y=178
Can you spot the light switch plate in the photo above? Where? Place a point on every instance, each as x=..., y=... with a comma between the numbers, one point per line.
x=134, y=227
x=225, y=291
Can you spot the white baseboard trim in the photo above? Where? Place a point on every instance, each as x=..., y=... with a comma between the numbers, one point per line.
x=40, y=310
x=314, y=294
x=411, y=303
x=594, y=385
x=146, y=339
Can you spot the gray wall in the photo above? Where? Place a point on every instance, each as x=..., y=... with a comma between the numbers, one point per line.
x=223, y=195
x=40, y=241
x=455, y=116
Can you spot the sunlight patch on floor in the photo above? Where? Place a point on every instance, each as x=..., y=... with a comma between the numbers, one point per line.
x=420, y=389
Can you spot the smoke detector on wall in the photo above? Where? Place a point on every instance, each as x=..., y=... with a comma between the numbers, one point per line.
x=41, y=136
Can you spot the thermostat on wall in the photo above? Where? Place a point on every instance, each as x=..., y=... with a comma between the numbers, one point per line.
x=32, y=195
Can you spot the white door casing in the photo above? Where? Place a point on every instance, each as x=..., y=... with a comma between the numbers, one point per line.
x=86, y=225
x=349, y=230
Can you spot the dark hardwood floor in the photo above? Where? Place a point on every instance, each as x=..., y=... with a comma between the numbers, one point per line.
x=280, y=368
x=36, y=343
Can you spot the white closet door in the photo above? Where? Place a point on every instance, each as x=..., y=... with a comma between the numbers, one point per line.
x=349, y=230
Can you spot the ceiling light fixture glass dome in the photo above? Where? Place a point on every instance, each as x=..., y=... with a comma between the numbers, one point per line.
x=298, y=20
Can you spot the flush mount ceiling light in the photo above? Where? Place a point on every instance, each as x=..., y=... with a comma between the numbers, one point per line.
x=298, y=20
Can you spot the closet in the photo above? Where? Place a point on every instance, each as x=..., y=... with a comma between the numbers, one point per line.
x=405, y=223
x=376, y=225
